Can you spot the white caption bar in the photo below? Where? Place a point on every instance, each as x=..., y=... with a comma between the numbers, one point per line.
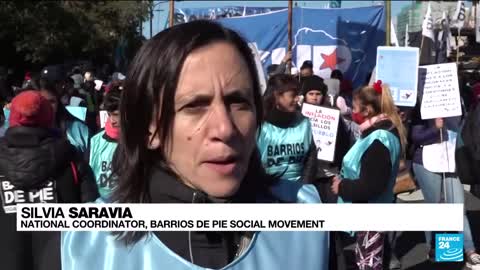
x=236, y=217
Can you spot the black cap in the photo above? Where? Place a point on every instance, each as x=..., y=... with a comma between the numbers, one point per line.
x=313, y=83
x=307, y=64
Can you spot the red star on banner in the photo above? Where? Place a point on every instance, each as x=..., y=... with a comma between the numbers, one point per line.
x=330, y=60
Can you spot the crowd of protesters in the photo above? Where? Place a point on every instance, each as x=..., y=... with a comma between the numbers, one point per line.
x=196, y=129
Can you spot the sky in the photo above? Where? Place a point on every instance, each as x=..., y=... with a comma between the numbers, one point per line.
x=161, y=8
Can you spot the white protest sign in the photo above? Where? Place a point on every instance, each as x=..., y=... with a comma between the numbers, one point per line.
x=103, y=118
x=324, y=123
x=98, y=84
x=441, y=94
x=398, y=68
x=440, y=157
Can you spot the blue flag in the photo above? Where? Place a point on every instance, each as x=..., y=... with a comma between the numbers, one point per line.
x=331, y=38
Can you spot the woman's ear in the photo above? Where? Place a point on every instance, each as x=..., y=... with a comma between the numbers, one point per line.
x=153, y=142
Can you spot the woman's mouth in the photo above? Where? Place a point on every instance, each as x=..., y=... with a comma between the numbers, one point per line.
x=225, y=166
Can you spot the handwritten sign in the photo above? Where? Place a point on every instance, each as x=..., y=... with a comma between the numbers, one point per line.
x=441, y=94
x=398, y=68
x=324, y=123
x=103, y=118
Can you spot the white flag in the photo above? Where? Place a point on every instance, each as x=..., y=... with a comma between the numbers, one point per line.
x=459, y=17
x=393, y=35
x=406, y=35
x=444, y=35
x=427, y=26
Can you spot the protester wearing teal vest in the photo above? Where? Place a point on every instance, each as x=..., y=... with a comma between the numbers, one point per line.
x=285, y=139
x=370, y=168
x=189, y=115
x=103, y=145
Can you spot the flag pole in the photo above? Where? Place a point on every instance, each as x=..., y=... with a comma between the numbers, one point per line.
x=388, y=7
x=290, y=14
x=171, y=13
x=458, y=44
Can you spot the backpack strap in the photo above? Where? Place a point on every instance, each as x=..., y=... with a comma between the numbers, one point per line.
x=74, y=172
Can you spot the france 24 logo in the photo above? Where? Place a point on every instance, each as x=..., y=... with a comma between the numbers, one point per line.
x=449, y=247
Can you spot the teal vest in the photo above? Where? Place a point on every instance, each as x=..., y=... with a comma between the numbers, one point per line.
x=283, y=150
x=267, y=250
x=101, y=153
x=78, y=135
x=351, y=162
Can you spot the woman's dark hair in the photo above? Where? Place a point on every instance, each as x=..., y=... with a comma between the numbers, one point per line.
x=149, y=92
x=337, y=74
x=278, y=84
x=111, y=102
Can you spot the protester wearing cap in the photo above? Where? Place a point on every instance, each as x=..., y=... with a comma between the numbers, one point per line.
x=314, y=90
x=35, y=160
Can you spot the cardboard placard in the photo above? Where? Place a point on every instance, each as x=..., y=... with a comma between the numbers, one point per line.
x=398, y=68
x=441, y=94
x=324, y=123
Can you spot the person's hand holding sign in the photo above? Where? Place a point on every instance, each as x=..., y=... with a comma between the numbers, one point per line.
x=439, y=123
x=336, y=185
x=288, y=57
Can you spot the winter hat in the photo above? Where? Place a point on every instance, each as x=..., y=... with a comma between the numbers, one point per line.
x=30, y=109
x=313, y=83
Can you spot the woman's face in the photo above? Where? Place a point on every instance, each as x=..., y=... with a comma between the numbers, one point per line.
x=51, y=99
x=359, y=108
x=314, y=97
x=215, y=120
x=287, y=101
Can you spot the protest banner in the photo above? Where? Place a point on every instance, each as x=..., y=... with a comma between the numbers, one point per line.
x=78, y=112
x=103, y=118
x=398, y=68
x=441, y=94
x=324, y=123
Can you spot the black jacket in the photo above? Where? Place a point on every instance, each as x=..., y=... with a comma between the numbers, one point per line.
x=209, y=249
x=376, y=169
x=36, y=166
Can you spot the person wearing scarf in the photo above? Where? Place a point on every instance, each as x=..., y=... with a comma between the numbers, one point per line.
x=104, y=144
x=369, y=169
x=285, y=139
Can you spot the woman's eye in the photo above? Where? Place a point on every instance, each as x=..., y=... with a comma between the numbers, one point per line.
x=195, y=106
x=241, y=103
